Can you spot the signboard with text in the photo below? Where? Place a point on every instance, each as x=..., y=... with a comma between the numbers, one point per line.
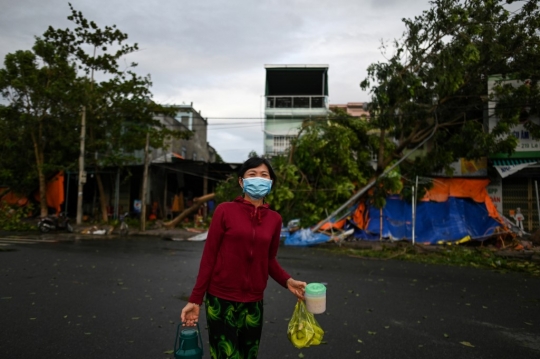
x=494, y=190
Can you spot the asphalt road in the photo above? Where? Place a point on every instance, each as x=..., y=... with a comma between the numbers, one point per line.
x=121, y=298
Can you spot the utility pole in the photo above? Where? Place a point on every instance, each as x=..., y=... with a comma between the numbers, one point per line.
x=82, y=173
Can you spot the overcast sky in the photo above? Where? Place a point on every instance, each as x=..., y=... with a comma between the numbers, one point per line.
x=212, y=53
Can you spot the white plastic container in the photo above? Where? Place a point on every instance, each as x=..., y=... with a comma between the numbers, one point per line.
x=315, y=298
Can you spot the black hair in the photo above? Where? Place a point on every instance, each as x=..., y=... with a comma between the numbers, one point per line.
x=254, y=162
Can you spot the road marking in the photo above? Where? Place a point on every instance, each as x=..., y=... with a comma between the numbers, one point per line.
x=26, y=240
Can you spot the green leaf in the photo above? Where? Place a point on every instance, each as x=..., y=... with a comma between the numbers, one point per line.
x=467, y=344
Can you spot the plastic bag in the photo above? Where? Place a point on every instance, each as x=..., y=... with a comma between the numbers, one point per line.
x=303, y=330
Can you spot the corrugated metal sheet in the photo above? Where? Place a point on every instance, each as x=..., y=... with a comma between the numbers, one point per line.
x=514, y=161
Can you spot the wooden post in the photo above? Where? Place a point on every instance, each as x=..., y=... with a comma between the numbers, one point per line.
x=145, y=183
x=205, y=189
x=381, y=224
x=165, y=207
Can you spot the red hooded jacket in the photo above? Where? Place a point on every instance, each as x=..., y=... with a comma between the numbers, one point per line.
x=239, y=253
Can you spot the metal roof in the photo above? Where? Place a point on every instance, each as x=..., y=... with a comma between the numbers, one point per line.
x=296, y=66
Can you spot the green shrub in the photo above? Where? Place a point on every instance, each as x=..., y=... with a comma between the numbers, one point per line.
x=12, y=217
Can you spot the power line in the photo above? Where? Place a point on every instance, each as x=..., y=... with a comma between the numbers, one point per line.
x=246, y=124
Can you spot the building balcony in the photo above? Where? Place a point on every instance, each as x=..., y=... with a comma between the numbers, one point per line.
x=296, y=102
x=296, y=105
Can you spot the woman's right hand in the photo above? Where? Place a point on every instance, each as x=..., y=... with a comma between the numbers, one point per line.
x=190, y=315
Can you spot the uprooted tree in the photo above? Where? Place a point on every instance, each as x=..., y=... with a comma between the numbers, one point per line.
x=432, y=89
x=327, y=161
x=435, y=82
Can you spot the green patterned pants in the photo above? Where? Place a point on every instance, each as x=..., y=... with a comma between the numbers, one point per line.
x=234, y=329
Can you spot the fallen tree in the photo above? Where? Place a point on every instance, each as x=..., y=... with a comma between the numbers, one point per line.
x=196, y=205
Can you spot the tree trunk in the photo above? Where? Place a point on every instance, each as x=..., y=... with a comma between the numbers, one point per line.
x=102, y=198
x=44, y=209
x=38, y=152
x=187, y=212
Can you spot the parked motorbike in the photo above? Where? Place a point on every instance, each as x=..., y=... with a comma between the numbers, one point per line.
x=54, y=222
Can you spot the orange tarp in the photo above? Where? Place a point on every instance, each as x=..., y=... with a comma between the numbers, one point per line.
x=359, y=215
x=457, y=187
x=55, y=192
x=12, y=198
x=330, y=225
x=462, y=188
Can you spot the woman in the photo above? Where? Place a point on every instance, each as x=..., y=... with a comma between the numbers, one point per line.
x=239, y=254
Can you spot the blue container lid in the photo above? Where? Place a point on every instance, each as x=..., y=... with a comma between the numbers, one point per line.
x=315, y=289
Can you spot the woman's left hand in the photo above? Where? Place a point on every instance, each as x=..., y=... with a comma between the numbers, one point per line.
x=296, y=287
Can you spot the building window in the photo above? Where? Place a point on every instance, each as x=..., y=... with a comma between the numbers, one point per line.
x=282, y=143
x=183, y=152
x=194, y=156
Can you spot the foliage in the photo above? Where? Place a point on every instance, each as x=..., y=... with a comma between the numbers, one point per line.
x=432, y=91
x=40, y=87
x=436, y=82
x=462, y=256
x=219, y=159
x=17, y=163
x=52, y=91
x=11, y=217
x=228, y=190
x=118, y=108
x=327, y=162
x=119, y=111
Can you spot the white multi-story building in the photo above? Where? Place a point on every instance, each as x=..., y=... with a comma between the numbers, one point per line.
x=514, y=187
x=293, y=94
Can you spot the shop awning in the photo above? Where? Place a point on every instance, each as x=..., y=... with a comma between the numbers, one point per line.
x=514, y=161
x=509, y=166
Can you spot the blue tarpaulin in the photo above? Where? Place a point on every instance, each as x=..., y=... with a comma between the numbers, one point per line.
x=454, y=209
x=449, y=221
x=304, y=238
